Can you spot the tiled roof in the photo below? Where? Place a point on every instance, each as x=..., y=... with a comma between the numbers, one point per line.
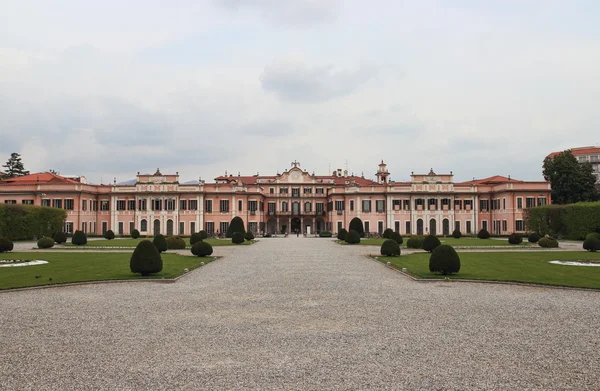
x=579, y=151
x=40, y=177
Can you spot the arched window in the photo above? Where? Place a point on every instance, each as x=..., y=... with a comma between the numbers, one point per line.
x=307, y=206
x=144, y=225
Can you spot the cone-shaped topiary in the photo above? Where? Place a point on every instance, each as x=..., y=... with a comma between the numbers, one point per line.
x=515, y=238
x=397, y=237
x=444, y=259
x=79, y=238
x=356, y=224
x=135, y=234
x=160, y=242
x=60, y=237
x=45, y=243
x=238, y=237
x=342, y=234
x=175, y=243
x=483, y=234
x=548, y=243
x=387, y=233
x=390, y=248
x=110, y=235
x=202, y=249
x=591, y=244
x=6, y=245
x=195, y=238
x=203, y=234
x=533, y=237
x=352, y=237
x=430, y=243
x=146, y=258
x=249, y=235
x=415, y=242
x=236, y=225
x=456, y=234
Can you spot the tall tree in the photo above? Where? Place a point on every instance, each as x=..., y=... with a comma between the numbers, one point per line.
x=571, y=181
x=14, y=166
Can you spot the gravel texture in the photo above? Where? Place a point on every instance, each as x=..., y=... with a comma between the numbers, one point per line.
x=299, y=313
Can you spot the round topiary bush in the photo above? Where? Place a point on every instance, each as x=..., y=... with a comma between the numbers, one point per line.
x=483, y=234
x=175, y=243
x=415, y=242
x=202, y=249
x=593, y=235
x=430, y=243
x=195, y=238
x=515, y=238
x=236, y=225
x=203, y=234
x=352, y=237
x=387, y=234
x=249, y=235
x=444, y=259
x=79, y=238
x=160, y=242
x=592, y=244
x=390, y=248
x=110, y=235
x=237, y=238
x=356, y=224
x=146, y=258
x=45, y=242
x=397, y=237
x=135, y=234
x=60, y=237
x=342, y=234
x=6, y=245
x=548, y=243
x=456, y=234
x=533, y=237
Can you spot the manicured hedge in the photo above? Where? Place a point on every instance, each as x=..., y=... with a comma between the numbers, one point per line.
x=353, y=237
x=175, y=243
x=60, y=237
x=356, y=224
x=548, y=243
x=249, y=235
x=325, y=234
x=238, y=237
x=146, y=259
x=109, y=235
x=342, y=234
x=195, y=238
x=444, y=259
x=483, y=234
x=79, y=238
x=160, y=242
x=236, y=225
x=572, y=221
x=23, y=222
x=135, y=234
x=203, y=234
x=202, y=249
x=397, y=237
x=591, y=244
x=46, y=242
x=390, y=248
x=515, y=238
x=430, y=243
x=415, y=242
x=533, y=237
x=387, y=234
x=456, y=234
x=6, y=245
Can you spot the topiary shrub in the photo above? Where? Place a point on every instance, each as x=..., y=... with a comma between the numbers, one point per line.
x=6, y=245
x=592, y=244
x=249, y=236
x=110, y=235
x=135, y=234
x=236, y=225
x=203, y=234
x=237, y=238
x=515, y=238
x=146, y=258
x=415, y=242
x=444, y=259
x=352, y=237
x=397, y=237
x=390, y=248
x=45, y=242
x=60, y=237
x=456, y=234
x=533, y=237
x=202, y=249
x=430, y=243
x=175, y=243
x=79, y=238
x=548, y=243
x=195, y=238
x=593, y=235
x=325, y=234
x=342, y=234
x=387, y=234
x=356, y=224
x=483, y=234
x=160, y=242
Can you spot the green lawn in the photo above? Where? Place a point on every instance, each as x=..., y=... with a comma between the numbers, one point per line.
x=75, y=267
x=134, y=242
x=515, y=266
x=471, y=242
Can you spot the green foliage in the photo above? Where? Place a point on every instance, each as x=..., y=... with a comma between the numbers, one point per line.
x=59, y=237
x=342, y=234
x=135, y=234
x=202, y=249
x=195, y=238
x=483, y=234
x=533, y=237
x=430, y=243
x=397, y=237
x=6, y=245
x=24, y=222
x=390, y=248
x=146, y=258
x=203, y=234
x=456, y=234
x=14, y=167
x=356, y=224
x=79, y=238
x=352, y=237
x=515, y=238
x=445, y=260
x=160, y=242
x=592, y=244
x=573, y=221
x=593, y=235
x=249, y=235
x=325, y=234
x=548, y=243
x=387, y=234
x=236, y=225
x=175, y=243
x=238, y=237
x=415, y=242
x=571, y=181
x=110, y=235
x=45, y=242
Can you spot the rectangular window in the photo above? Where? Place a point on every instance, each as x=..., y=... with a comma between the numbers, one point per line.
x=379, y=204
x=224, y=226
x=27, y=202
x=483, y=205
x=295, y=192
x=457, y=204
x=240, y=205
x=192, y=227
x=131, y=205
x=252, y=206
x=207, y=205
x=156, y=204
x=367, y=226
x=419, y=202
x=193, y=204
x=594, y=159
x=406, y=204
x=181, y=228
x=457, y=225
x=271, y=207
x=271, y=190
x=530, y=202
x=69, y=227
x=504, y=203
x=319, y=190
x=396, y=204
x=468, y=229
x=520, y=226
x=407, y=226
x=253, y=227
x=94, y=207
x=351, y=204
x=83, y=204
x=484, y=225
x=210, y=227
x=283, y=190
x=45, y=201
x=121, y=227
x=397, y=226
x=339, y=205
x=468, y=204
x=366, y=206
x=182, y=204
x=339, y=226
x=519, y=202
x=308, y=190
x=131, y=226
x=224, y=206
x=284, y=206
x=120, y=204
x=84, y=227
x=504, y=225
x=142, y=204
x=56, y=203
x=541, y=201
x=380, y=227
x=10, y=202
x=432, y=202
x=104, y=205
x=104, y=227
x=320, y=207
x=170, y=204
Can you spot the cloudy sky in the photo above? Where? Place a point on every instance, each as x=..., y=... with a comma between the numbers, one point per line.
x=108, y=88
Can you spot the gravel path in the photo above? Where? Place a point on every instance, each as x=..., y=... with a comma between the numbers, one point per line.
x=299, y=314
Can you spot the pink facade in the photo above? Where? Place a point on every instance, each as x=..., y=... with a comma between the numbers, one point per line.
x=294, y=199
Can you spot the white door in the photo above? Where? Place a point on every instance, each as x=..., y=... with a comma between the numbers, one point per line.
x=308, y=229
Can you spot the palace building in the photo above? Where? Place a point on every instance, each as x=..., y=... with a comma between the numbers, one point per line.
x=295, y=199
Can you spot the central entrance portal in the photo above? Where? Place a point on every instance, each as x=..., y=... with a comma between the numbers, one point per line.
x=295, y=225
